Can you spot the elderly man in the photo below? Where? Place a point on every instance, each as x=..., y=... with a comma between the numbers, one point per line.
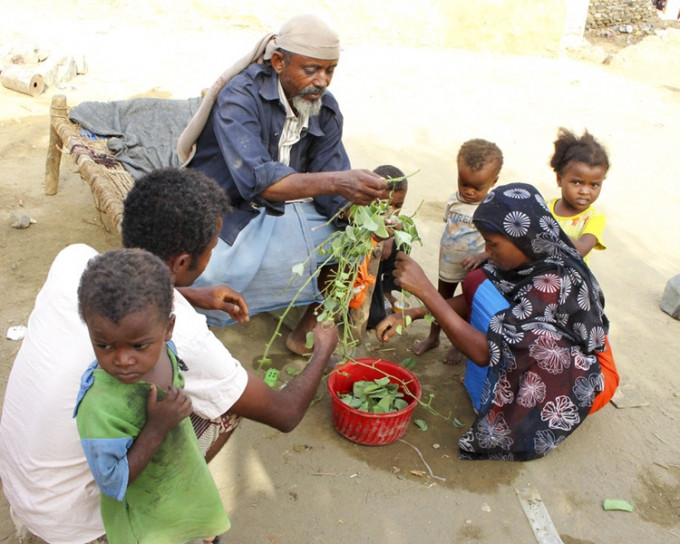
x=271, y=135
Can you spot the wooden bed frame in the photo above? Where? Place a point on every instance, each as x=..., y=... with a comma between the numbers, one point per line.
x=107, y=178
x=110, y=183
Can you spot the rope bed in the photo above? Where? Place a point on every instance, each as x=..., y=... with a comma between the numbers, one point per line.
x=107, y=178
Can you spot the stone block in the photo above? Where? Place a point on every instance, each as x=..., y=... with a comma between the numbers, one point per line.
x=670, y=302
x=58, y=69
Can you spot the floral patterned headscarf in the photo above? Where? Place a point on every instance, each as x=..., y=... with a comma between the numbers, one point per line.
x=543, y=369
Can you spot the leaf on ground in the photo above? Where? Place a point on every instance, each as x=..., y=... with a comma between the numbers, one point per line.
x=409, y=363
x=421, y=424
x=617, y=504
x=456, y=422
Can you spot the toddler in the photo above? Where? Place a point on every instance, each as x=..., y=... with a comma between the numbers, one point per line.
x=581, y=165
x=462, y=247
x=384, y=284
x=131, y=412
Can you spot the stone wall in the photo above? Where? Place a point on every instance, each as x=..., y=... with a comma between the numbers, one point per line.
x=610, y=13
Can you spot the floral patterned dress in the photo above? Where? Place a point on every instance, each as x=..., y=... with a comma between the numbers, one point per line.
x=543, y=369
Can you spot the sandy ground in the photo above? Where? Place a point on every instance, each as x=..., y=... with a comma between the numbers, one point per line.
x=411, y=107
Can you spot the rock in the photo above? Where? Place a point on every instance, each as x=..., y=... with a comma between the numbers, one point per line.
x=59, y=69
x=19, y=220
x=670, y=302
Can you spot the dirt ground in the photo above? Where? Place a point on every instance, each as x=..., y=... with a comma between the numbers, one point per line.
x=411, y=107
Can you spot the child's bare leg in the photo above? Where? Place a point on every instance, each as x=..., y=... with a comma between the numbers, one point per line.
x=446, y=290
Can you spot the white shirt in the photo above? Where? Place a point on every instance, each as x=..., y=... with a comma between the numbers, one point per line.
x=290, y=133
x=292, y=128
x=45, y=476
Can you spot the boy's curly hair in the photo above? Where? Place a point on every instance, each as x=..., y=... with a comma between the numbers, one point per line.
x=388, y=171
x=586, y=149
x=477, y=153
x=124, y=281
x=172, y=211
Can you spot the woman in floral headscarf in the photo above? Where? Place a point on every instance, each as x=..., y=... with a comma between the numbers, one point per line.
x=546, y=340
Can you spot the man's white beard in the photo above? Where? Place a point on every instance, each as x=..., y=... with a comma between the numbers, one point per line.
x=306, y=108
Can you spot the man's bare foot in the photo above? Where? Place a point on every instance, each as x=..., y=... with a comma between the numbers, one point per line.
x=296, y=344
x=421, y=346
x=453, y=356
x=297, y=338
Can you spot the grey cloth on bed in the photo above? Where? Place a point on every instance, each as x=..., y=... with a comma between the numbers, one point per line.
x=141, y=133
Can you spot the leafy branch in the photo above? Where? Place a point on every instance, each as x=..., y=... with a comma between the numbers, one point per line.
x=346, y=249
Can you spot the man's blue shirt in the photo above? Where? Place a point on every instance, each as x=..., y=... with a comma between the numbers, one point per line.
x=238, y=147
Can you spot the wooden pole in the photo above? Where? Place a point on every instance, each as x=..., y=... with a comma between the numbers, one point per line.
x=58, y=109
x=359, y=317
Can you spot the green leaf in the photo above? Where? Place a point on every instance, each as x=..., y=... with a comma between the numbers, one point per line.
x=385, y=404
x=355, y=402
x=298, y=269
x=292, y=371
x=309, y=340
x=420, y=424
x=408, y=320
x=402, y=240
x=429, y=318
x=400, y=404
x=372, y=224
x=381, y=231
x=409, y=362
x=617, y=504
x=400, y=329
x=456, y=423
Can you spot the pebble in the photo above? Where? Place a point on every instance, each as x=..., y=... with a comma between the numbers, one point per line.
x=19, y=220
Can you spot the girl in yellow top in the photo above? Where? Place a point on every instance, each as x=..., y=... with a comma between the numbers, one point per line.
x=581, y=165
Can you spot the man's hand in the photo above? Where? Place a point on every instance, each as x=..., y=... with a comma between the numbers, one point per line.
x=361, y=186
x=325, y=337
x=218, y=297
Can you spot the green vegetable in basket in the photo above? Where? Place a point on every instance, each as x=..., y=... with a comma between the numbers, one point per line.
x=378, y=396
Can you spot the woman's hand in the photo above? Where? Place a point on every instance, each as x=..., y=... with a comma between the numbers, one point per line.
x=410, y=276
x=387, y=328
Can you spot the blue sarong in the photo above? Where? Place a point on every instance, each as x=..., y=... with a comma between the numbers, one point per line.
x=259, y=264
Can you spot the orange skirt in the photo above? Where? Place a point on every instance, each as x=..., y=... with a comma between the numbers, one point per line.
x=610, y=375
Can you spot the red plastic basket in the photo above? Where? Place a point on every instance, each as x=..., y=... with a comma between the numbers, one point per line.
x=364, y=427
